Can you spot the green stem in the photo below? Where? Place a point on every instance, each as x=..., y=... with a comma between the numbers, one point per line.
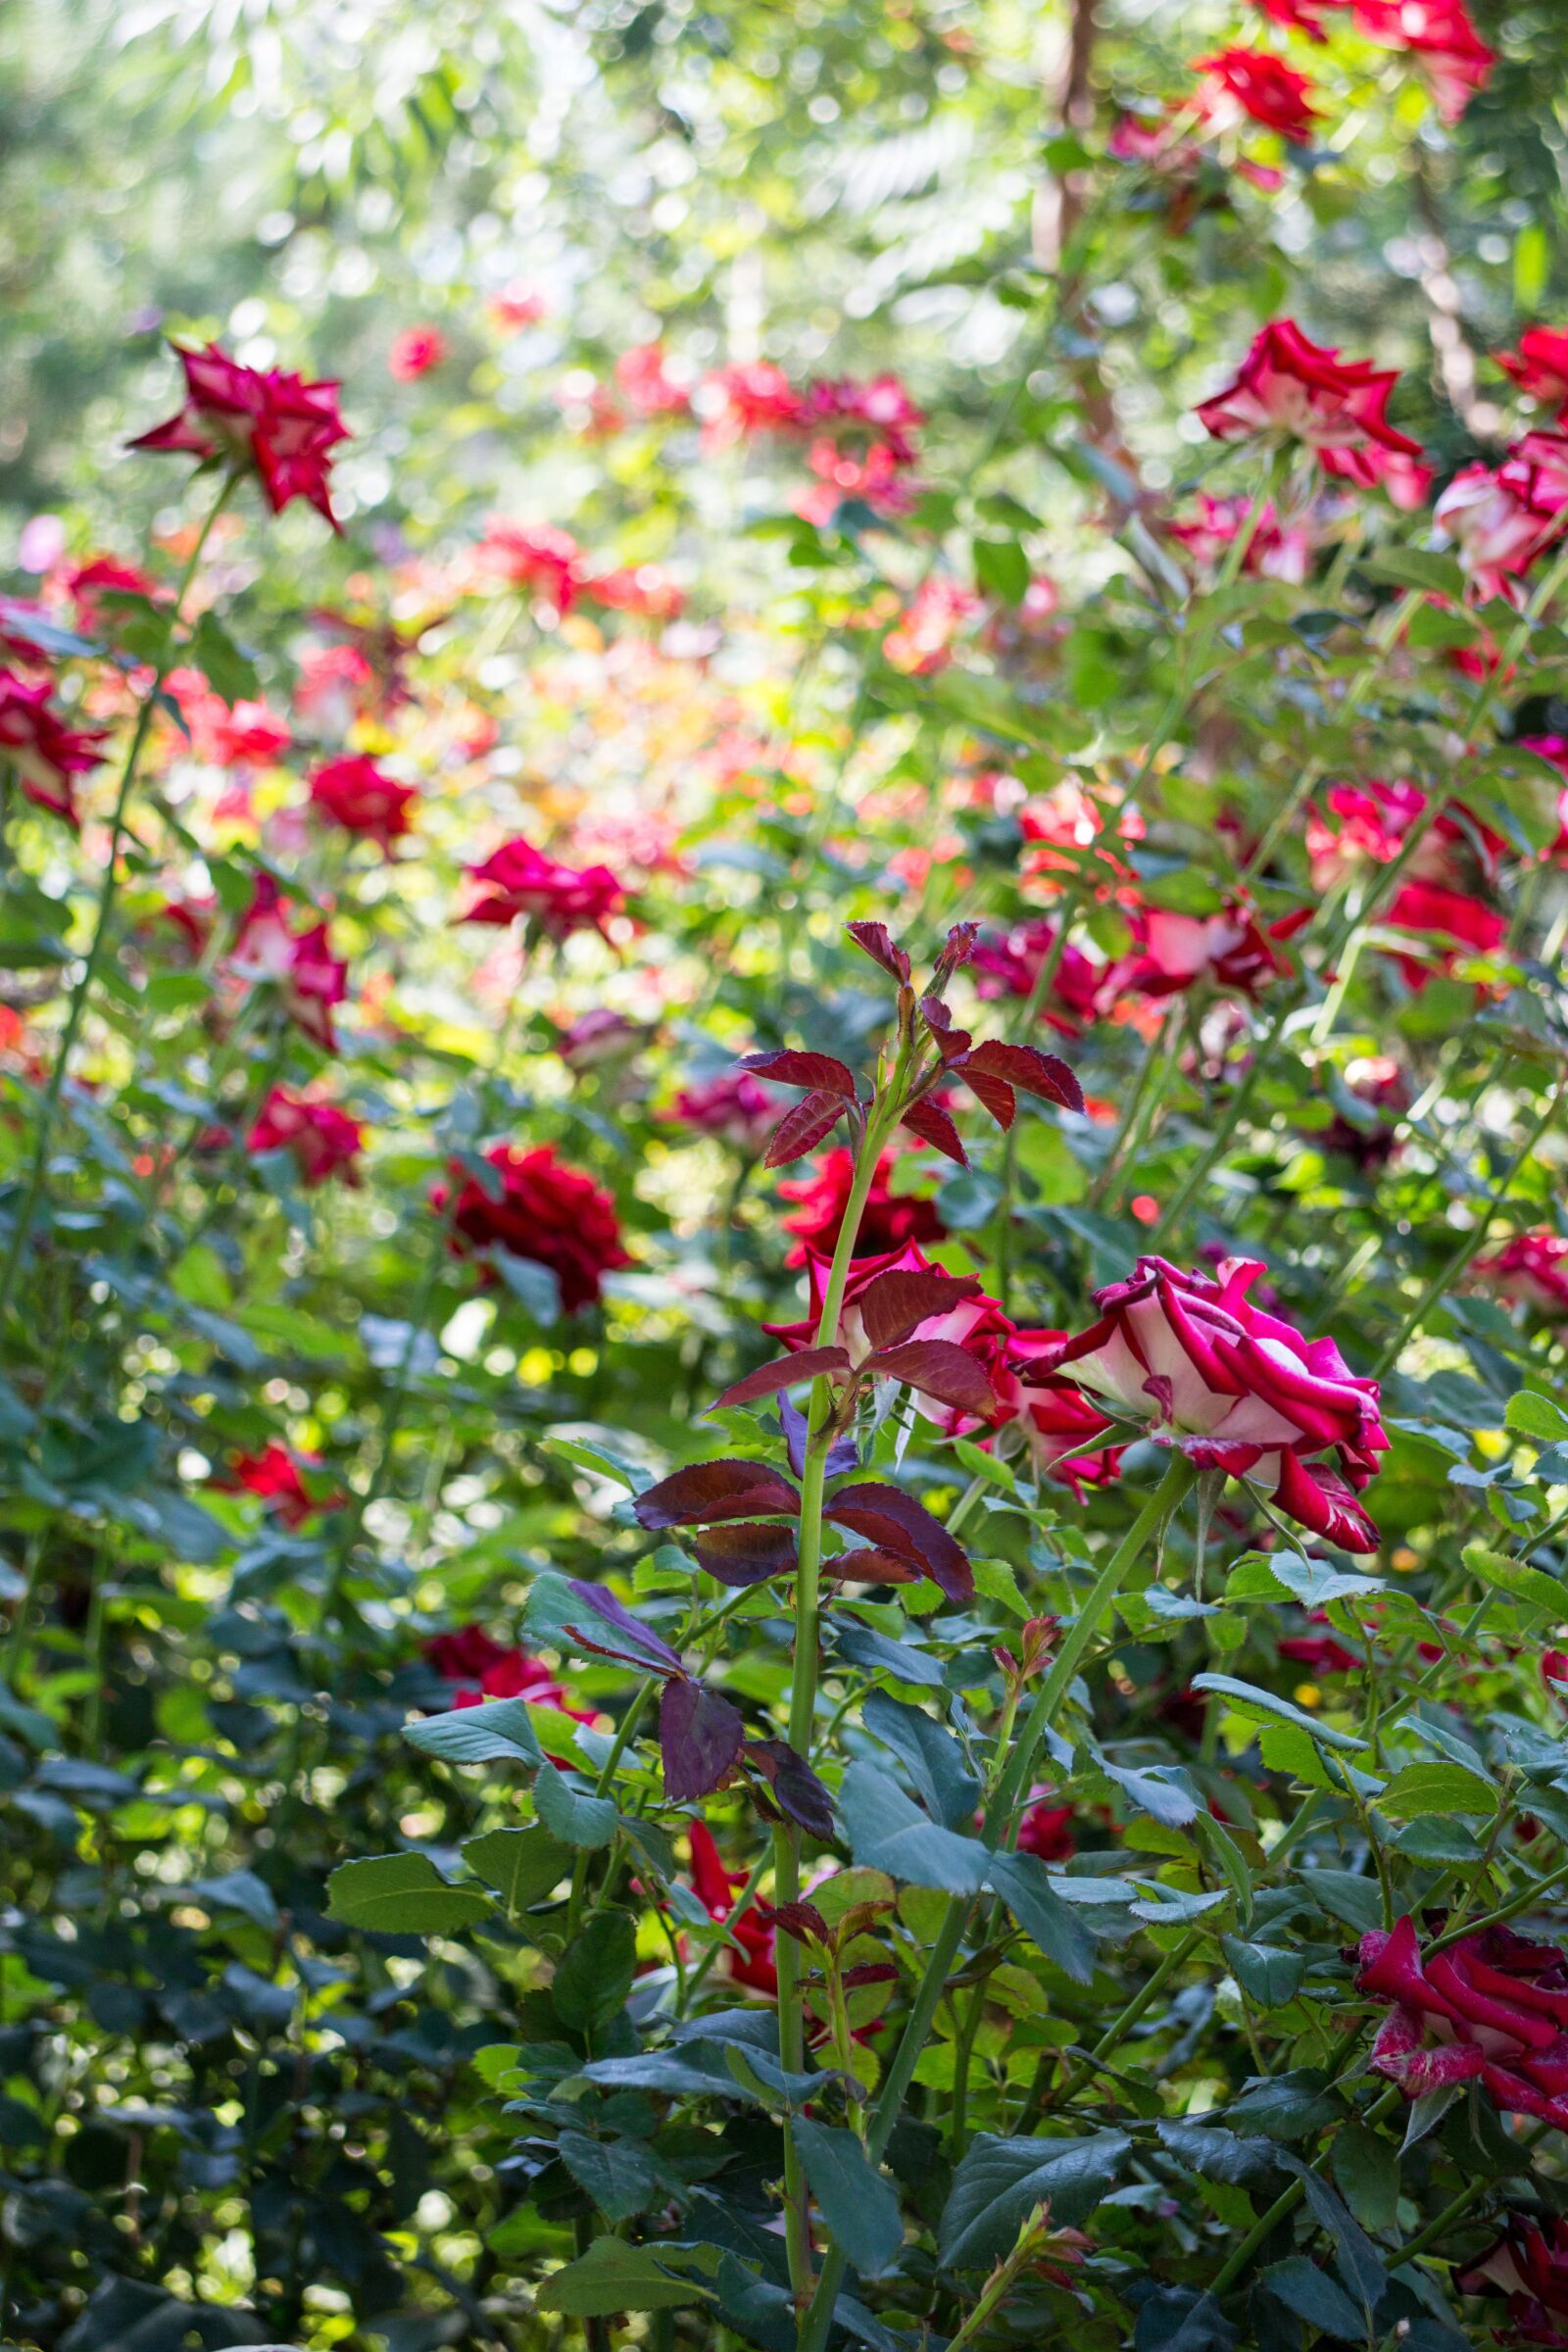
x=108, y=892
x=803, y=1688
x=1470, y=1244
x=999, y=1810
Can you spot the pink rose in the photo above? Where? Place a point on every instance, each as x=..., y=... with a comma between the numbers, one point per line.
x=1237, y=1390
x=321, y=1138
x=1495, y=529
x=47, y=754
x=1540, y=366
x=1256, y=84
x=1530, y=1269
x=415, y=352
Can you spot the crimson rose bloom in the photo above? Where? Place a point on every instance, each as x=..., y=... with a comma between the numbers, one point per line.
x=275, y=1475
x=1288, y=384
x=1299, y=16
x=1440, y=36
x=519, y=883
x=1257, y=83
x=1237, y=1391
x=1228, y=950
x=1532, y=1270
x=47, y=754
x=888, y=1223
x=1530, y=2268
x=547, y=1212
x=1456, y=917
x=1273, y=552
x=1063, y=1429
x=1491, y=2009
x=321, y=1138
x=749, y=397
x=1495, y=530
x=353, y=792
x=1047, y=1830
x=1012, y=964
x=105, y=575
x=300, y=964
x=735, y=1106
x=715, y=1889
x=415, y=352
x=270, y=423
x=1540, y=366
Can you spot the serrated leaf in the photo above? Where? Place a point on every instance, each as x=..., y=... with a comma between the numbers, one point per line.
x=402, y=1895
x=1437, y=1788
x=858, y=2202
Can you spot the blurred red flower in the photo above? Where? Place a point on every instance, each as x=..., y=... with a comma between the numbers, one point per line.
x=46, y=754
x=544, y=1211
x=357, y=794
x=518, y=883
x=415, y=352
x=270, y=423
x=322, y=1137
x=890, y=1219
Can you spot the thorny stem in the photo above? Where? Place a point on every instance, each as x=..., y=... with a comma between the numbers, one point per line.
x=108, y=892
x=803, y=1689
x=998, y=1813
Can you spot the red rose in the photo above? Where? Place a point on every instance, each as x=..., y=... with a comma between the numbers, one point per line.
x=46, y=754
x=87, y=583
x=464, y=1655
x=1236, y=1390
x=1011, y=965
x=1491, y=2009
x=647, y=383
x=321, y=1138
x=362, y=797
x=1495, y=530
x=301, y=964
x=275, y=1473
x=1440, y=36
x=1228, y=950
x=532, y=556
x=936, y=615
x=1456, y=917
x=335, y=687
x=1530, y=2268
x=972, y=1322
x=735, y=1106
x=643, y=588
x=547, y=1212
x=1290, y=385
x=520, y=884
x=1257, y=83
x=1047, y=1830
x=1062, y=1428
x=888, y=1223
x=1532, y=1269
x=1272, y=553
x=1299, y=16
x=277, y=425
x=715, y=1889
x=1374, y=817
x=751, y=397
x=243, y=734
x=415, y=352
x=1540, y=366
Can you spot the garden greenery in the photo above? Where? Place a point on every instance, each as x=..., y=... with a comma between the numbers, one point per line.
x=783, y=1266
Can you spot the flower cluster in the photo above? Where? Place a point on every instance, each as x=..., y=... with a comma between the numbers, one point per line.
x=1491, y=2008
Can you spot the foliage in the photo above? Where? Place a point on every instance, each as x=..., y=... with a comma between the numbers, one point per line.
x=781, y=1255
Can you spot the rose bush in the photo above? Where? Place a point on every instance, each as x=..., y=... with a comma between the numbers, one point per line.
x=782, y=1272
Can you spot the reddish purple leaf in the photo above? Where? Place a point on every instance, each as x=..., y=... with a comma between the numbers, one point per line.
x=932, y=1124
x=1044, y=1074
x=784, y=1372
x=888, y=1517
x=993, y=1093
x=948, y=1040
x=746, y=1555
x=892, y=1304
x=821, y=1072
x=958, y=949
x=704, y=1492
x=801, y=1920
x=797, y=1790
x=699, y=1737
x=800, y=1130
x=879, y=944
x=871, y=1565
x=937, y=1368
x=617, y=1633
